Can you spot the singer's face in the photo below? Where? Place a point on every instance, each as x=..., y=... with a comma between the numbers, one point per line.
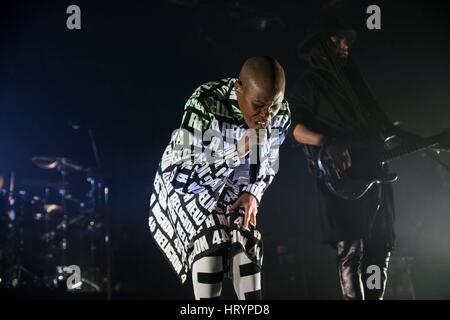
x=258, y=105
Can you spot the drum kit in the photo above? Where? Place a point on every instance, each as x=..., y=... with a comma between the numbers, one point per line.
x=59, y=224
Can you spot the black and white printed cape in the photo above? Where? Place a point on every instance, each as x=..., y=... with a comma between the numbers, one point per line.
x=189, y=216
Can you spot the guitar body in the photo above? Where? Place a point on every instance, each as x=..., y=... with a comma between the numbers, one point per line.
x=366, y=170
x=366, y=167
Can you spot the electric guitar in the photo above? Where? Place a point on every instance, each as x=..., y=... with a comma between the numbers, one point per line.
x=367, y=165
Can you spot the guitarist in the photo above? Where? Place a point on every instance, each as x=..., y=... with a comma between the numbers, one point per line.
x=332, y=106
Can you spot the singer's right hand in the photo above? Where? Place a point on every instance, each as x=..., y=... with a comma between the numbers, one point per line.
x=250, y=205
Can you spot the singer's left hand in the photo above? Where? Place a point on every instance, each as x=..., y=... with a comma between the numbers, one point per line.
x=249, y=139
x=250, y=205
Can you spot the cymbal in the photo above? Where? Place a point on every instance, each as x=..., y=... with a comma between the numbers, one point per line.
x=57, y=163
x=51, y=208
x=48, y=211
x=45, y=162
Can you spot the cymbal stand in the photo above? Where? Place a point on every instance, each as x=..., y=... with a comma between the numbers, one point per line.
x=104, y=200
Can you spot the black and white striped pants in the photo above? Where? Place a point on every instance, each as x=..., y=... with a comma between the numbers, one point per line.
x=208, y=275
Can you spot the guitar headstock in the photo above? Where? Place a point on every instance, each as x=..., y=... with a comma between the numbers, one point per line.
x=444, y=141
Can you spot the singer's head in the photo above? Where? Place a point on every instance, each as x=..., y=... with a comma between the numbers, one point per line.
x=260, y=90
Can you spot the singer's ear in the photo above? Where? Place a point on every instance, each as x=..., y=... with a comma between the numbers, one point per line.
x=238, y=86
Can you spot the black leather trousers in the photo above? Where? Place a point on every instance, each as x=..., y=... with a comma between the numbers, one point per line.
x=349, y=256
x=374, y=255
x=353, y=261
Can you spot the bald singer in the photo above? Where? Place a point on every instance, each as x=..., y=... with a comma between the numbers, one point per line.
x=205, y=199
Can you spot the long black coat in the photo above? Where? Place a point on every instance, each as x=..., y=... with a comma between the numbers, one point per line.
x=317, y=102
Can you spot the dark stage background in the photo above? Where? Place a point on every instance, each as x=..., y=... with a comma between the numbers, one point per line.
x=127, y=73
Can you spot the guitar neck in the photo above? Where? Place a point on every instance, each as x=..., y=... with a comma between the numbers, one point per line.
x=409, y=148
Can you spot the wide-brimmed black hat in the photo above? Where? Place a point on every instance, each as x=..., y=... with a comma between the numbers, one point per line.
x=325, y=28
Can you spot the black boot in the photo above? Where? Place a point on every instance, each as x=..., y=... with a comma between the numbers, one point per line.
x=349, y=255
x=375, y=256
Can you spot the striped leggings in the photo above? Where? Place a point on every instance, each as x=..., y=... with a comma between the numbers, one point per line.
x=208, y=274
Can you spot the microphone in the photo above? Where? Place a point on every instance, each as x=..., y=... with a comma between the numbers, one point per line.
x=254, y=167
